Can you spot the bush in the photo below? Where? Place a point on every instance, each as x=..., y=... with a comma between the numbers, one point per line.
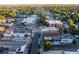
x=66, y=31
x=47, y=45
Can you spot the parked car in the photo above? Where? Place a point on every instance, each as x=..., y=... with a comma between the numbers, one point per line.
x=67, y=40
x=8, y=33
x=77, y=36
x=19, y=34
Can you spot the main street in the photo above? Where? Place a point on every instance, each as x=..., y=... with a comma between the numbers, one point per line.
x=62, y=49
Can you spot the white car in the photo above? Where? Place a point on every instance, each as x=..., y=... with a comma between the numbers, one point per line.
x=77, y=36
x=8, y=33
x=67, y=40
x=18, y=34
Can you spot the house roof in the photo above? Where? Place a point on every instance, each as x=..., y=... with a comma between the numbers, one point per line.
x=54, y=21
x=31, y=19
x=47, y=29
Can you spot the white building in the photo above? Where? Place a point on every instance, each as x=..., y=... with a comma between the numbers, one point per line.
x=30, y=20
x=49, y=29
x=10, y=19
x=48, y=32
x=54, y=23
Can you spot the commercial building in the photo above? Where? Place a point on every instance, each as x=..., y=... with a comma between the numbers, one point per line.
x=54, y=23
x=53, y=31
x=51, y=34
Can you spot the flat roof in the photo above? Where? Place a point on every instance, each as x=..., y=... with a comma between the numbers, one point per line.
x=54, y=21
x=46, y=29
x=31, y=19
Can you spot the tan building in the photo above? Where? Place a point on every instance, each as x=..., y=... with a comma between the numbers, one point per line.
x=2, y=29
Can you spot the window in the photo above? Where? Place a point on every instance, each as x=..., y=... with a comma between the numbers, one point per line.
x=55, y=25
x=48, y=38
x=56, y=37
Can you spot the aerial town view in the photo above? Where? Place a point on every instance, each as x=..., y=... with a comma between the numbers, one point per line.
x=39, y=29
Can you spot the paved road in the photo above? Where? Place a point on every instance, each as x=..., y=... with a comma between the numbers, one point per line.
x=53, y=52
x=35, y=47
x=60, y=49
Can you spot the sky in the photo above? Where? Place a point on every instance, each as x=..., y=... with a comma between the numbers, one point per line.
x=39, y=1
